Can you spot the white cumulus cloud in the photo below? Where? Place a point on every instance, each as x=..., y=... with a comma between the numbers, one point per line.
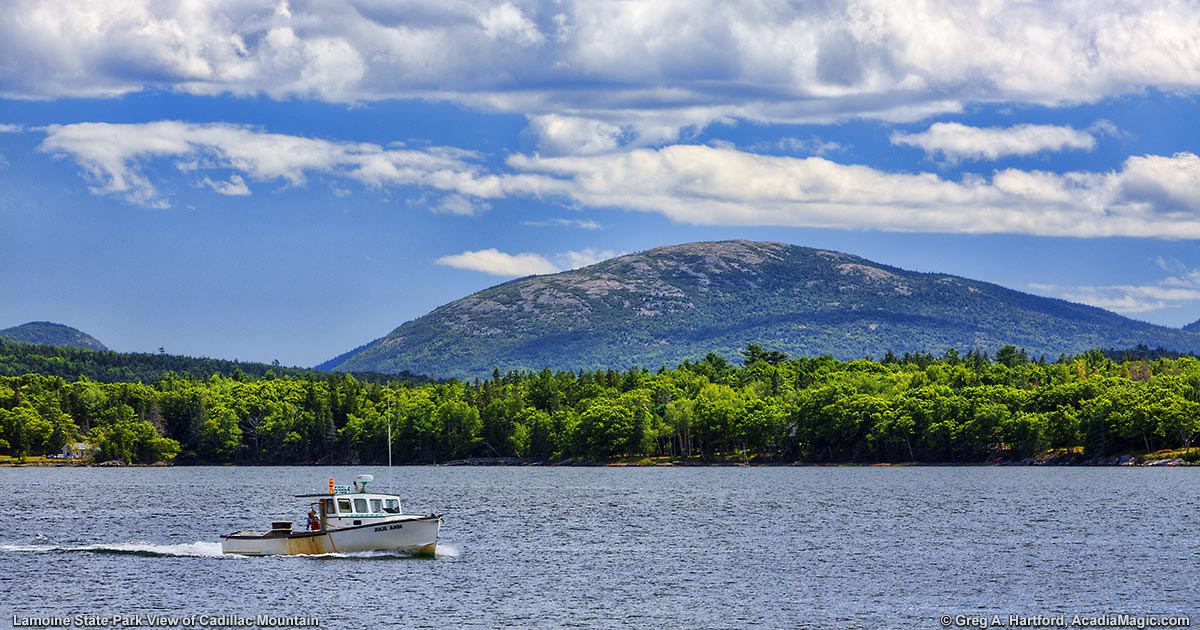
x=235, y=187
x=559, y=135
x=506, y=21
x=495, y=262
x=113, y=156
x=1151, y=196
x=956, y=142
x=1167, y=185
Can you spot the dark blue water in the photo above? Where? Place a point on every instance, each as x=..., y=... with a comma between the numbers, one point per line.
x=618, y=547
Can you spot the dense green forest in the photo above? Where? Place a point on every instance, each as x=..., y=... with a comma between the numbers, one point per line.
x=769, y=408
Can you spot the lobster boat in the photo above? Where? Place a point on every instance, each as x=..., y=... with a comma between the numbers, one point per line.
x=347, y=519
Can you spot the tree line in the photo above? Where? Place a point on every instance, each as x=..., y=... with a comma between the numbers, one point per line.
x=766, y=408
x=18, y=358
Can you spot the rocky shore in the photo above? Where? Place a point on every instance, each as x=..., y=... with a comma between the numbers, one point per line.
x=1112, y=460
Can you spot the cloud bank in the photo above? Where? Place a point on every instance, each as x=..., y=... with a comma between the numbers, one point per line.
x=594, y=74
x=1149, y=196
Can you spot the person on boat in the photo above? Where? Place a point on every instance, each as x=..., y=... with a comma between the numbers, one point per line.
x=314, y=522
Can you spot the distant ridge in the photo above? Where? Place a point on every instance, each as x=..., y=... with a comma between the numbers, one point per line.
x=670, y=304
x=51, y=334
x=70, y=363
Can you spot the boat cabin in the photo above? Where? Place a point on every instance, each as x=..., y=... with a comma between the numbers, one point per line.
x=348, y=505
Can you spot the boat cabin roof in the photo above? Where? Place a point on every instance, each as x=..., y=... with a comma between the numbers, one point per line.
x=326, y=495
x=359, y=487
x=354, y=500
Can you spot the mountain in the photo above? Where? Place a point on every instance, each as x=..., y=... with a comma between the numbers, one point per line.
x=669, y=304
x=51, y=334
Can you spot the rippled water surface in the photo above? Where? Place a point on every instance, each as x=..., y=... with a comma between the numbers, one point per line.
x=587, y=547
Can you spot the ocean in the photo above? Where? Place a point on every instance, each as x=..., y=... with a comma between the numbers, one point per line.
x=668, y=547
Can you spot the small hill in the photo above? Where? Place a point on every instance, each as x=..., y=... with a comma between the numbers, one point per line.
x=665, y=305
x=51, y=334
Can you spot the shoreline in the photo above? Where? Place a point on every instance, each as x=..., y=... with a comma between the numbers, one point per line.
x=1104, y=462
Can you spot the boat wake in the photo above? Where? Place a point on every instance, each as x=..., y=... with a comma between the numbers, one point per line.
x=199, y=549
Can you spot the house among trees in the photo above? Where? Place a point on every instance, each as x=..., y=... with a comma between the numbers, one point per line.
x=78, y=450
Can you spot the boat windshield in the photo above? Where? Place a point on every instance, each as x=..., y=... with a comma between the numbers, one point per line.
x=369, y=504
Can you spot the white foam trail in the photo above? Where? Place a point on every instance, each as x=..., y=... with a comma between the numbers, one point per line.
x=197, y=549
x=201, y=549
x=26, y=548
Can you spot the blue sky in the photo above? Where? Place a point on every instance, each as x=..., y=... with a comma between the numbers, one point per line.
x=268, y=180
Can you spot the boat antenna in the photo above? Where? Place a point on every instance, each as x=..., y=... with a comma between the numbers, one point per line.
x=391, y=481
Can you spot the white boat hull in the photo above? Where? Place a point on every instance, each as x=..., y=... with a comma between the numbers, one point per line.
x=404, y=533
